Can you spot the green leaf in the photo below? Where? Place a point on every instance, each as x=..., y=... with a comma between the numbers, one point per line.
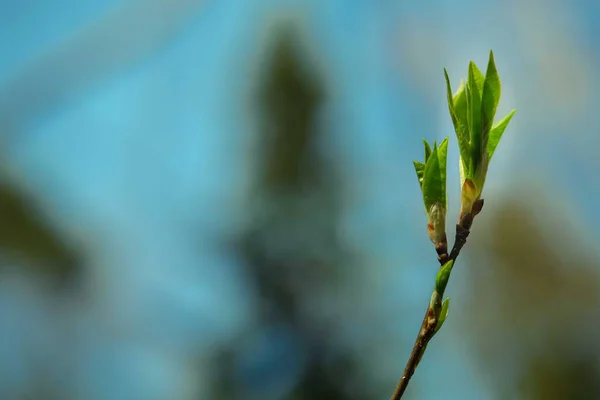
x=457, y=105
x=474, y=116
x=479, y=78
x=434, y=191
x=419, y=168
x=433, y=186
x=441, y=279
x=492, y=90
x=445, y=308
x=443, y=313
x=427, y=149
x=468, y=107
x=442, y=153
x=460, y=107
x=496, y=134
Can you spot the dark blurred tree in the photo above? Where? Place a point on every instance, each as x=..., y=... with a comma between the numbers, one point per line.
x=27, y=238
x=290, y=248
x=533, y=318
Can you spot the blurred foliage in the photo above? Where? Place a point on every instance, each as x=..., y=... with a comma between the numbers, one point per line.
x=533, y=316
x=290, y=249
x=27, y=238
x=289, y=98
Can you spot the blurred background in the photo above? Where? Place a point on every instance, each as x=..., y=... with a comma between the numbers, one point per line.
x=215, y=199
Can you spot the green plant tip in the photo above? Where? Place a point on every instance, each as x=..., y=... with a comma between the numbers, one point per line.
x=441, y=280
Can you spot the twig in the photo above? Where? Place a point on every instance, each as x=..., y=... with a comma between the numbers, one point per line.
x=430, y=321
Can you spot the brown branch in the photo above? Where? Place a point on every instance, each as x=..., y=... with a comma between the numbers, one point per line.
x=431, y=318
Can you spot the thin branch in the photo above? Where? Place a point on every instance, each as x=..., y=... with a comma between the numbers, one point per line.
x=430, y=321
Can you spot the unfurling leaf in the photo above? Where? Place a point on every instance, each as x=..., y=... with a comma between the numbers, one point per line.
x=496, y=134
x=441, y=279
x=479, y=79
x=427, y=149
x=492, y=90
x=443, y=314
x=457, y=106
x=460, y=107
x=442, y=154
x=432, y=181
x=434, y=190
x=474, y=112
x=419, y=168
